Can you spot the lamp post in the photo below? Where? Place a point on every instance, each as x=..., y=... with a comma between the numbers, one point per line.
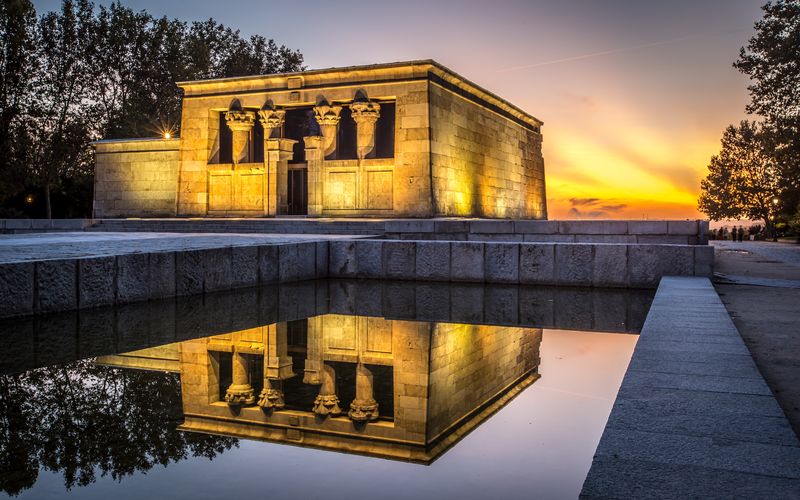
x=772, y=217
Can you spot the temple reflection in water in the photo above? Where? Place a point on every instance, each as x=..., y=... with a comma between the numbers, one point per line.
x=396, y=389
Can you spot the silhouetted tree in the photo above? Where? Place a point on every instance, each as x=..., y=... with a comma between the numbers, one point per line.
x=83, y=419
x=742, y=179
x=17, y=63
x=772, y=61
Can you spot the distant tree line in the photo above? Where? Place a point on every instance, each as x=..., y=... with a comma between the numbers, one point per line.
x=88, y=72
x=756, y=175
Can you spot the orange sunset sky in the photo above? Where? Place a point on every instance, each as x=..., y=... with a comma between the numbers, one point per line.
x=634, y=94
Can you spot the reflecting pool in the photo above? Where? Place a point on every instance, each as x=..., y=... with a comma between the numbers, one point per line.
x=326, y=389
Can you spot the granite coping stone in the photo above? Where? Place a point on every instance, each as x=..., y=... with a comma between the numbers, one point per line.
x=697, y=407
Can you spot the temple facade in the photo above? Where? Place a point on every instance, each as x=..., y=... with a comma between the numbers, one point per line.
x=410, y=139
x=394, y=389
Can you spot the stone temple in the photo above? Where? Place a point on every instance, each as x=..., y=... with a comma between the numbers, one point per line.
x=408, y=139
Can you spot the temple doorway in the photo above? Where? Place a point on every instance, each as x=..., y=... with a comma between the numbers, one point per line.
x=298, y=191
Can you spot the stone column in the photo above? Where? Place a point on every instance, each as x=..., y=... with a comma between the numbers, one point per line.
x=277, y=153
x=272, y=121
x=315, y=174
x=328, y=119
x=364, y=408
x=327, y=402
x=311, y=372
x=240, y=391
x=240, y=123
x=277, y=367
x=365, y=114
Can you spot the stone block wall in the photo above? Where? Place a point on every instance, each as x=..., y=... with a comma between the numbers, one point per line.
x=136, y=177
x=483, y=164
x=471, y=364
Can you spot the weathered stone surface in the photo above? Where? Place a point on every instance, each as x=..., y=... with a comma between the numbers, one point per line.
x=648, y=263
x=536, y=226
x=16, y=289
x=161, y=269
x=342, y=255
x=322, y=259
x=132, y=278
x=536, y=263
x=687, y=227
x=188, y=272
x=647, y=227
x=57, y=285
x=369, y=258
x=491, y=226
x=466, y=261
x=96, y=281
x=610, y=267
x=288, y=267
x=574, y=264
x=549, y=238
x=501, y=262
x=268, y=264
x=244, y=266
x=409, y=226
x=605, y=238
x=704, y=261
x=433, y=260
x=501, y=305
x=216, y=269
x=399, y=259
x=592, y=227
x=306, y=260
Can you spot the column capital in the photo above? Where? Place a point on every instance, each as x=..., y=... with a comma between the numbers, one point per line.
x=365, y=111
x=327, y=404
x=313, y=142
x=271, y=118
x=326, y=114
x=240, y=120
x=363, y=410
x=271, y=399
x=240, y=395
x=285, y=145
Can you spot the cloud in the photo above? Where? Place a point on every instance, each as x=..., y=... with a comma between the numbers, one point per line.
x=594, y=208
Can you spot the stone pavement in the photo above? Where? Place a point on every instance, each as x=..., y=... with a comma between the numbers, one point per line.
x=759, y=283
x=44, y=246
x=693, y=417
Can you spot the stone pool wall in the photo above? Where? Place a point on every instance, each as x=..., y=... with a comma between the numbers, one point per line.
x=43, y=286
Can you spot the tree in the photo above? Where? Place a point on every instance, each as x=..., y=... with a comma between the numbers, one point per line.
x=772, y=61
x=17, y=64
x=743, y=178
x=85, y=420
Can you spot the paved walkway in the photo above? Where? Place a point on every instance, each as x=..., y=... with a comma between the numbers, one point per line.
x=48, y=246
x=759, y=283
x=693, y=417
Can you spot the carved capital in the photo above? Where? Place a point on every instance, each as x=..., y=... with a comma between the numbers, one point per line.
x=271, y=118
x=327, y=114
x=271, y=399
x=240, y=395
x=240, y=120
x=363, y=410
x=327, y=404
x=365, y=111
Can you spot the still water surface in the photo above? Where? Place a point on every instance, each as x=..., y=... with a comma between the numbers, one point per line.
x=476, y=404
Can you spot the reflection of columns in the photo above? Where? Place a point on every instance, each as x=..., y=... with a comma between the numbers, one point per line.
x=327, y=403
x=240, y=391
x=278, y=152
x=328, y=120
x=313, y=363
x=277, y=366
x=365, y=114
x=240, y=123
x=364, y=408
x=272, y=121
x=314, y=163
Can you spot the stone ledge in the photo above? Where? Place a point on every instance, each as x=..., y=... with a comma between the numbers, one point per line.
x=664, y=436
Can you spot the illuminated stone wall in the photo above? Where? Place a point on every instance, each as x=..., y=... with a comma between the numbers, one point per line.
x=484, y=164
x=135, y=177
x=470, y=364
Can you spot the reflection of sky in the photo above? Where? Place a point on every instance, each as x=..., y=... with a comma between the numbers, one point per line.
x=539, y=446
x=634, y=95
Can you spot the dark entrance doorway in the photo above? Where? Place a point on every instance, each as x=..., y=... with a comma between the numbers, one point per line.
x=298, y=191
